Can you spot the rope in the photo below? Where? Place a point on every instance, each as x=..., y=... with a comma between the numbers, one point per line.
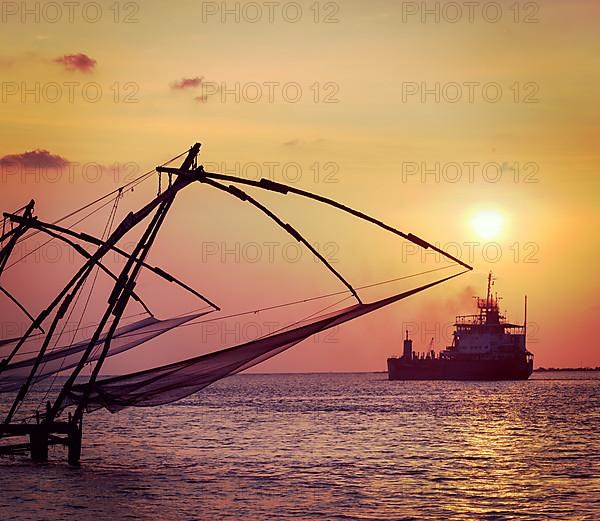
x=34, y=337
x=53, y=238
x=119, y=191
x=310, y=299
x=283, y=328
x=115, y=200
x=307, y=317
x=107, y=232
x=107, y=229
x=126, y=187
x=270, y=308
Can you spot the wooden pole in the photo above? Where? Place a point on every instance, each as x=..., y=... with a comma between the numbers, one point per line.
x=74, y=443
x=38, y=439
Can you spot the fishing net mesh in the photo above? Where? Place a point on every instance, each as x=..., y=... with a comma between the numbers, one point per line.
x=66, y=357
x=169, y=383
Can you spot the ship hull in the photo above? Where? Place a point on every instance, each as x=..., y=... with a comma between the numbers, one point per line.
x=465, y=369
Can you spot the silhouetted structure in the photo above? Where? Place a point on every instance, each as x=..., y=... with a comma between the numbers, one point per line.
x=484, y=347
x=19, y=371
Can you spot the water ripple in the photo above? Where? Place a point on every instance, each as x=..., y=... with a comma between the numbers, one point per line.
x=334, y=447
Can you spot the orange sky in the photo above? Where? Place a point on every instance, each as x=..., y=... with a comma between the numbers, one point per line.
x=160, y=84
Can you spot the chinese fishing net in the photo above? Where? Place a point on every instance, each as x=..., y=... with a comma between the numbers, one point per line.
x=169, y=383
x=66, y=357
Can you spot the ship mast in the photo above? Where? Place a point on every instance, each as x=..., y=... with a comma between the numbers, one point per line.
x=525, y=321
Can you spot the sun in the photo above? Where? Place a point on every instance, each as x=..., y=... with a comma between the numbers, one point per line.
x=487, y=224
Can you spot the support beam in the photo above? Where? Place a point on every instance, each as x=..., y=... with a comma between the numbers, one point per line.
x=75, y=284
x=38, y=438
x=74, y=443
x=272, y=186
x=121, y=293
x=90, y=239
x=41, y=437
x=243, y=196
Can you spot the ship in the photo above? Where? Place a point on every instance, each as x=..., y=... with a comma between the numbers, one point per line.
x=485, y=347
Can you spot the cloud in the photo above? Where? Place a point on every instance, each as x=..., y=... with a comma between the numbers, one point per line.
x=6, y=61
x=435, y=318
x=24, y=59
x=300, y=143
x=187, y=83
x=34, y=159
x=77, y=62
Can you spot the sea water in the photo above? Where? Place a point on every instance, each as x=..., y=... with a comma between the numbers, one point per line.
x=332, y=447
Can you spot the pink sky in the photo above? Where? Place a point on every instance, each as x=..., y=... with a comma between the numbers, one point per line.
x=145, y=91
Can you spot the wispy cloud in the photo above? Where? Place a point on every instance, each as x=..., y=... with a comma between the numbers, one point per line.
x=187, y=83
x=34, y=159
x=77, y=62
x=24, y=59
x=300, y=142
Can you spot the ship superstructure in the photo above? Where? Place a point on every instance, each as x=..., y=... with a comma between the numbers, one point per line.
x=485, y=346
